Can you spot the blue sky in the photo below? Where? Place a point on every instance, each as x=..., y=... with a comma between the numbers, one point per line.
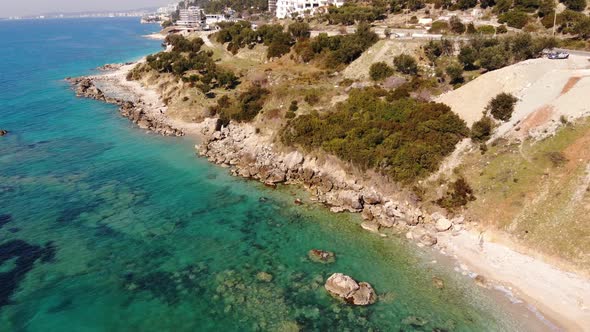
x=35, y=7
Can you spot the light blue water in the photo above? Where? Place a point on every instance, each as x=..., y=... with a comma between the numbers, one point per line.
x=104, y=227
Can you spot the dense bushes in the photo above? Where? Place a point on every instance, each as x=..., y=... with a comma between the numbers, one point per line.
x=514, y=18
x=245, y=108
x=434, y=49
x=502, y=106
x=187, y=61
x=240, y=34
x=352, y=13
x=577, y=5
x=495, y=53
x=379, y=71
x=337, y=50
x=402, y=138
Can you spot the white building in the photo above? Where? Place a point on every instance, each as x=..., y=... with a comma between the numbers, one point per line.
x=286, y=8
x=190, y=17
x=169, y=9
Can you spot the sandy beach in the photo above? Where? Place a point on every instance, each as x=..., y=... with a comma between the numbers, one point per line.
x=561, y=297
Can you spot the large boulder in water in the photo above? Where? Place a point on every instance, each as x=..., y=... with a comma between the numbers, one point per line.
x=365, y=295
x=348, y=289
x=3, y=132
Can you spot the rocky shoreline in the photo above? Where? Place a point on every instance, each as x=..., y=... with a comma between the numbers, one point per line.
x=250, y=155
x=133, y=110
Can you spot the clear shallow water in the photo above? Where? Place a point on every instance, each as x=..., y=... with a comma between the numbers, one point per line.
x=104, y=227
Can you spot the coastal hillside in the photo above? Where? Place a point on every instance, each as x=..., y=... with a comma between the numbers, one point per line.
x=531, y=180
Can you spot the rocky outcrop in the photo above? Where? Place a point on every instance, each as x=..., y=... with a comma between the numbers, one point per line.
x=347, y=288
x=134, y=111
x=3, y=132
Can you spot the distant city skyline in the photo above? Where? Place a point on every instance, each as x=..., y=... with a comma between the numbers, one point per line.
x=40, y=7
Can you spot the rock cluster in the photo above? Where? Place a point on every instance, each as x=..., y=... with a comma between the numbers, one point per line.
x=345, y=287
x=251, y=155
x=321, y=256
x=3, y=132
x=134, y=111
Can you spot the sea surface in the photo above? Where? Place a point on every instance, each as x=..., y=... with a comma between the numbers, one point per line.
x=105, y=227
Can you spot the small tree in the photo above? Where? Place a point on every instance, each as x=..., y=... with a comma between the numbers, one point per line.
x=456, y=25
x=294, y=106
x=455, y=72
x=501, y=29
x=299, y=30
x=406, y=64
x=379, y=71
x=481, y=131
x=502, y=106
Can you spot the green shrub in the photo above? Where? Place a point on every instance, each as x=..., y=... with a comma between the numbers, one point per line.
x=455, y=72
x=514, y=18
x=379, y=71
x=244, y=108
x=501, y=29
x=352, y=13
x=456, y=25
x=481, y=130
x=439, y=27
x=311, y=97
x=336, y=51
x=458, y=195
x=437, y=48
x=294, y=106
x=486, y=29
x=406, y=64
x=502, y=106
x=299, y=30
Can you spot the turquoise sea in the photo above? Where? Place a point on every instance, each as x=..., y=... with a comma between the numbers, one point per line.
x=104, y=227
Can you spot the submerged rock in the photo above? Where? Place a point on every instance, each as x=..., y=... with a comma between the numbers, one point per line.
x=438, y=282
x=3, y=132
x=264, y=276
x=321, y=256
x=370, y=226
x=428, y=240
x=348, y=289
x=414, y=321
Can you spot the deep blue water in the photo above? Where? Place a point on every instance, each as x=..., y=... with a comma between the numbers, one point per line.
x=104, y=227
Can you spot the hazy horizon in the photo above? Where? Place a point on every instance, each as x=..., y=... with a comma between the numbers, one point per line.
x=39, y=7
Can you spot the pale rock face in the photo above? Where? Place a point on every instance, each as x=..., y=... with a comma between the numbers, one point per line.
x=372, y=197
x=341, y=285
x=370, y=226
x=351, y=198
x=443, y=224
x=293, y=160
x=365, y=295
x=345, y=287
